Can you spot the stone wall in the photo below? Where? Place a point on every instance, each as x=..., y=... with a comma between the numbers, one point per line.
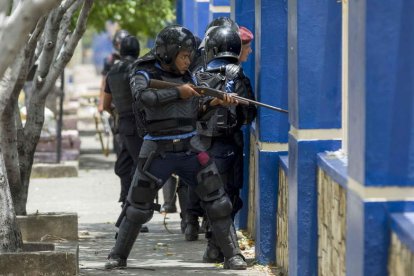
x=401, y=259
x=252, y=187
x=331, y=226
x=282, y=248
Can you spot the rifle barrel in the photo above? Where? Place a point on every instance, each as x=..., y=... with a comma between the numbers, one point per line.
x=159, y=84
x=217, y=93
x=263, y=104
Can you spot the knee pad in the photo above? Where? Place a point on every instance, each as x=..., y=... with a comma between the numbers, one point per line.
x=142, y=189
x=144, y=192
x=139, y=216
x=210, y=184
x=218, y=208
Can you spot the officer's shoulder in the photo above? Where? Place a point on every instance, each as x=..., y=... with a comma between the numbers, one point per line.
x=143, y=63
x=145, y=60
x=234, y=71
x=117, y=66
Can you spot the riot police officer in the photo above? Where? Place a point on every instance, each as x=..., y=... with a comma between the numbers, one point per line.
x=199, y=61
x=124, y=161
x=109, y=61
x=169, y=116
x=220, y=126
x=118, y=98
x=194, y=210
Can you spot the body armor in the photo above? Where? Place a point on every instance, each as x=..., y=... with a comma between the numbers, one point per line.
x=175, y=116
x=217, y=120
x=118, y=81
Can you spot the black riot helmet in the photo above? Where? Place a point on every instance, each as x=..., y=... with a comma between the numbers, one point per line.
x=222, y=42
x=223, y=21
x=170, y=41
x=118, y=36
x=129, y=46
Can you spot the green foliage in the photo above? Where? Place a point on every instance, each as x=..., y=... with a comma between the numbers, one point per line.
x=144, y=18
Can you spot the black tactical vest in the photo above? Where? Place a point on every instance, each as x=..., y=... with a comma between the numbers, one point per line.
x=175, y=117
x=216, y=120
x=118, y=81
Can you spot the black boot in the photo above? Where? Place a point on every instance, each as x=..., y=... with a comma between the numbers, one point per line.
x=225, y=236
x=115, y=263
x=212, y=254
x=191, y=231
x=127, y=234
x=236, y=262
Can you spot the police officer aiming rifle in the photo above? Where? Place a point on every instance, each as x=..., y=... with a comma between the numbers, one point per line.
x=169, y=117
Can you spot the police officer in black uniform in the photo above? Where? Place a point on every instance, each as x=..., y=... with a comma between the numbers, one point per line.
x=169, y=116
x=194, y=210
x=109, y=61
x=118, y=98
x=124, y=161
x=220, y=126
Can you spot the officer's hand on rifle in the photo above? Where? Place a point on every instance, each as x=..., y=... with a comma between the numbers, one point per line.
x=226, y=101
x=186, y=91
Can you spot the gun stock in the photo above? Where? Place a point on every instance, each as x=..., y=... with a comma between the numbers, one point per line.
x=207, y=91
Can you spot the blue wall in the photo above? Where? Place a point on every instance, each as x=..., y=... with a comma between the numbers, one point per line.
x=381, y=92
x=179, y=11
x=218, y=4
x=315, y=64
x=271, y=127
x=381, y=140
x=368, y=234
x=201, y=18
x=267, y=185
x=314, y=55
x=188, y=14
x=271, y=69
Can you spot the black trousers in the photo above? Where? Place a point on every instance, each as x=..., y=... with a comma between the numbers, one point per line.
x=129, y=144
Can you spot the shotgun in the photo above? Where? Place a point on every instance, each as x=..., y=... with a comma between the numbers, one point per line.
x=207, y=91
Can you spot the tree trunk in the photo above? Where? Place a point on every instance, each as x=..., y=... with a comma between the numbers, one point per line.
x=21, y=22
x=8, y=144
x=10, y=235
x=48, y=71
x=26, y=144
x=17, y=142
